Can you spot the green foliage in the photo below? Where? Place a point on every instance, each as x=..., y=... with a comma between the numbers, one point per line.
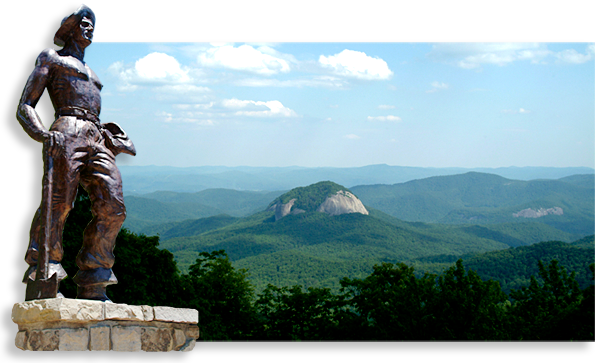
x=551, y=310
x=513, y=267
x=223, y=297
x=386, y=302
x=479, y=198
x=316, y=250
x=145, y=272
x=143, y=213
x=147, y=275
x=288, y=313
x=391, y=303
x=466, y=307
x=587, y=242
x=190, y=227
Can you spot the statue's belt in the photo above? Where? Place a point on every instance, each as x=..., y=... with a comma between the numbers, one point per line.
x=79, y=113
x=115, y=137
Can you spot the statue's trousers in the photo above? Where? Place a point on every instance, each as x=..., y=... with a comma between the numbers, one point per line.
x=87, y=161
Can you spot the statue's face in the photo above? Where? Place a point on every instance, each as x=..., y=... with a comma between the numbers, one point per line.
x=84, y=35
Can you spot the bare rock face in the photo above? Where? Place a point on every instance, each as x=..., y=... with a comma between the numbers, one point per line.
x=324, y=197
x=342, y=202
x=531, y=213
x=281, y=210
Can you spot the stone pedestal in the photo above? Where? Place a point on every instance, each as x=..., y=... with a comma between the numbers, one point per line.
x=70, y=324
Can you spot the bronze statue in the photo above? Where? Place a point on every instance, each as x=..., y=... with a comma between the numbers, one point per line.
x=78, y=149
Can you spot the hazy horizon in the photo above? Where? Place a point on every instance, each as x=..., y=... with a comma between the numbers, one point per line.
x=360, y=166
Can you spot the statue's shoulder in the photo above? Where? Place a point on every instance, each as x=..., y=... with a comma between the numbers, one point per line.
x=47, y=57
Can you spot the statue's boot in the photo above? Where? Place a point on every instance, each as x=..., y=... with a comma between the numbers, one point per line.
x=92, y=284
x=92, y=292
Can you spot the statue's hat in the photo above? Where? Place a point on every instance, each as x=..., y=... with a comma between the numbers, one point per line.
x=69, y=22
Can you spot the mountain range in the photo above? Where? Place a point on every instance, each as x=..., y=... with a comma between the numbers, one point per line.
x=471, y=198
x=478, y=198
x=316, y=249
x=147, y=179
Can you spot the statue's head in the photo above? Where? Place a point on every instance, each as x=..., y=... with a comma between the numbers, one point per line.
x=77, y=27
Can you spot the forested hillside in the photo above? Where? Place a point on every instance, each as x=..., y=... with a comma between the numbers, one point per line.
x=313, y=249
x=144, y=213
x=565, y=205
x=513, y=267
x=476, y=198
x=391, y=302
x=154, y=212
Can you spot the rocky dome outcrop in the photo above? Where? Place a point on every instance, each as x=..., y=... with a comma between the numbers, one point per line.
x=341, y=203
x=325, y=197
x=532, y=213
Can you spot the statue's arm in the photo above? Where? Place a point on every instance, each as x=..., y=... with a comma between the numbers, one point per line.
x=26, y=114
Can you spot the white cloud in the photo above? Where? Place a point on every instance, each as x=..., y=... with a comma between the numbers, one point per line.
x=354, y=64
x=166, y=116
x=160, y=66
x=574, y=57
x=263, y=61
x=200, y=106
x=125, y=76
x=436, y=86
x=389, y=118
x=183, y=88
x=473, y=55
x=188, y=118
x=386, y=107
x=258, y=108
x=318, y=81
x=520, y=110
x=155, y=69
x=352, y=137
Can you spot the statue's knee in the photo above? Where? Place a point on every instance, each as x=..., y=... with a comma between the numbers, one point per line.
x=115, y=212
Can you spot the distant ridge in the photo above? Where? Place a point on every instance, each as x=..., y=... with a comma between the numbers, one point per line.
x=478, y=198
x=147, y=179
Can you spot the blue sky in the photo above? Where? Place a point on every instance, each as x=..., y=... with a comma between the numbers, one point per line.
x=351, y=104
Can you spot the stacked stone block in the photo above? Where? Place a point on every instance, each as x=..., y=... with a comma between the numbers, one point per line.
x=77, y=325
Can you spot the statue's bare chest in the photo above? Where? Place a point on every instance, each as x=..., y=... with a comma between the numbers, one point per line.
x=70, y=72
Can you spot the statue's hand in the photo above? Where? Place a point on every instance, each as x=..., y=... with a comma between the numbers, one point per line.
x=53, y=142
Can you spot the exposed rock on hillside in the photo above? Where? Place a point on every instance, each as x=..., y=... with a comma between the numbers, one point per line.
x=531, y=213
x=341, y=203
x=325, y=197
x=281, y=210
